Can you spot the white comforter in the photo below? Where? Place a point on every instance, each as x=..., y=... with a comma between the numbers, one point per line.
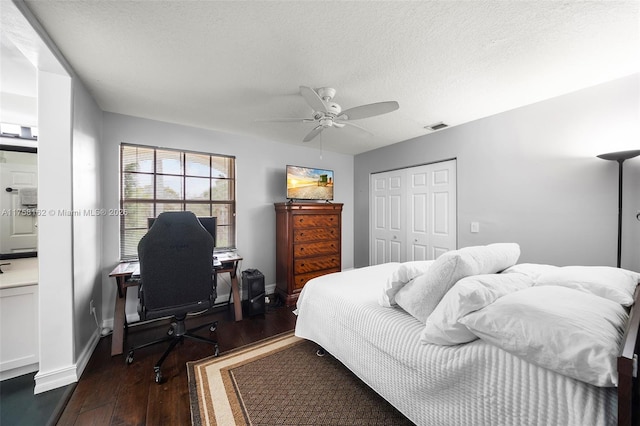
x=470, y=384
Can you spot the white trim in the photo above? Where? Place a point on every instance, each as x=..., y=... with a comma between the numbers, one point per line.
x=71, y=374
x=18, y=371
x=55, y=379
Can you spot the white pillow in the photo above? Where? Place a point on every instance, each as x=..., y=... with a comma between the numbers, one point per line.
x=405, y=273
x=466, y=296
x=533, y=270
x=614, y=284
x=568, y=331
x=421, y=296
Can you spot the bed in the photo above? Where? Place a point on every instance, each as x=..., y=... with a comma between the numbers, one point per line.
x=355, y=316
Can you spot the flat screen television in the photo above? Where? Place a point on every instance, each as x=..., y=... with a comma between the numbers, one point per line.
x=308, y=183
x=208, y=223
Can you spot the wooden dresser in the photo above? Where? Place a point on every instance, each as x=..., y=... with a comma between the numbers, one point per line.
x=308, y=244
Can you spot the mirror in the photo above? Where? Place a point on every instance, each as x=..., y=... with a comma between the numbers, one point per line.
x=18, y=202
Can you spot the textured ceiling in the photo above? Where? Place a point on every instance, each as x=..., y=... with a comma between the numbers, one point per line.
x=223, y=64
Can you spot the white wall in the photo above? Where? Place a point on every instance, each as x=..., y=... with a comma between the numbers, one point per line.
x=260, y=170
x=87, y=224
x=55, y=255
x=531, y=176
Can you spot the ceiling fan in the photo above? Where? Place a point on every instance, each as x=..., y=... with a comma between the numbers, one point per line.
x=329, y=114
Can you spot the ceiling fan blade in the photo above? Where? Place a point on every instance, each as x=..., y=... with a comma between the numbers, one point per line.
x=313, y=99
x=312, y=134
x=285, y=120
x=353, y=125
x=369, y=110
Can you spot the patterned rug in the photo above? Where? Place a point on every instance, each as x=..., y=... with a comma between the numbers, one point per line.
x=281, y=381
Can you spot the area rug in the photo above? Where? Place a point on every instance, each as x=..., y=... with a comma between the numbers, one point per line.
x=281, y=381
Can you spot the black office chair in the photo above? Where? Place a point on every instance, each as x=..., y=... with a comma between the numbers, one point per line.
x=176, y=278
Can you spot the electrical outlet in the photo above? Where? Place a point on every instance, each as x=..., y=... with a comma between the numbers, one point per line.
x=92, y=308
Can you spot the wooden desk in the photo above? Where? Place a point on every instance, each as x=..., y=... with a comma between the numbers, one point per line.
x=122, y=273
x=230, y=263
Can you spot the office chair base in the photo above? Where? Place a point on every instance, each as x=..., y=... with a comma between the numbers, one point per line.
x=175, y=335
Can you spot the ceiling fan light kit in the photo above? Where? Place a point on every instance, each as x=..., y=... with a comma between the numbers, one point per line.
x=329, y=114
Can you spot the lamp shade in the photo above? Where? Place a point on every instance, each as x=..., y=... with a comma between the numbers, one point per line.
x=620, y=155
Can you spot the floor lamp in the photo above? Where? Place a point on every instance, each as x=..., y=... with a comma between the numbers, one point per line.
x=620, y=156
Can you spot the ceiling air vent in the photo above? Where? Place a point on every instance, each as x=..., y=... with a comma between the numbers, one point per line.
x=436, y=126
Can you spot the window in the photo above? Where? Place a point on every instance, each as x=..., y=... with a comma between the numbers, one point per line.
x=156, y=180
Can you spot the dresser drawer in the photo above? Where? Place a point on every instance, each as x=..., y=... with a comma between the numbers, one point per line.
x=302, y=266
x=315, y=249
x=304, y=234
x=300, y=280
x=315, y=221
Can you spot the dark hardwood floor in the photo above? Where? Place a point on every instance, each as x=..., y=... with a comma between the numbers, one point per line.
x=110, y=392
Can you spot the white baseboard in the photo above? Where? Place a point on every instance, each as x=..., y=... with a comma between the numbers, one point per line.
x=46, y=381
x=55, y=379
x=18, y=371
x=85, y=356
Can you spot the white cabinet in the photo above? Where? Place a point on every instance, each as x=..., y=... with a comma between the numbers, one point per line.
x=19, y=347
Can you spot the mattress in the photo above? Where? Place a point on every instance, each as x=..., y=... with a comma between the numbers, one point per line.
x=471, y=384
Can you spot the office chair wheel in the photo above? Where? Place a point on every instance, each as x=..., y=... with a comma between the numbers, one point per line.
x=172, y=329
x=158, y=378
x=129, y=359
x=213, y=327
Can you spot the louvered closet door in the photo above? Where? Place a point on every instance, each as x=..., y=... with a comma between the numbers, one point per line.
x=413, y=213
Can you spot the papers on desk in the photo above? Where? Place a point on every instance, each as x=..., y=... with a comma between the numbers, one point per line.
x=226, y=256
x=136, y=271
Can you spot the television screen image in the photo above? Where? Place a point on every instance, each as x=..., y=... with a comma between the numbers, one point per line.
x=306, y=183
